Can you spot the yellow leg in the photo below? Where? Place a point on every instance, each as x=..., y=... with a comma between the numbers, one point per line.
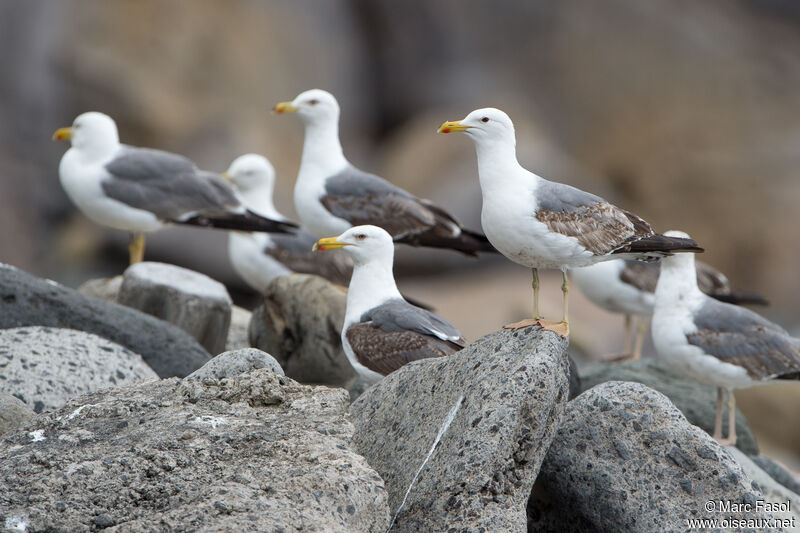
x=626, y=346
x=536, y=319
x=136, y=248
x=562, y=328
x=641, y=329
x=718, y=419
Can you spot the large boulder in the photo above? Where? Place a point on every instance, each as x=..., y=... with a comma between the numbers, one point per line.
x=45, y=367
x=300, y=324
x=697, y=402
x=26, y=300
x=237, y=332
x=253, y=452
x=13, y=412
x=626, y=459
x=231, y=363
x=192, y=301
x=459, y=440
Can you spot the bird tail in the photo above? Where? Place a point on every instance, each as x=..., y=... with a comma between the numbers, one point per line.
x=741, y=298
x=246, y=221
x=467, y=242
x=655, y=246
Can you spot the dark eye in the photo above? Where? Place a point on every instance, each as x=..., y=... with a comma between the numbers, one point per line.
x=313, y=102
x=485, y=119
x=361, y=236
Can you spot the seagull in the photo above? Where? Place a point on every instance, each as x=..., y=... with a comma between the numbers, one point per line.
x=259, y=258
x=331, y=195
x=382, y=331
x=543, y=224
x=139, y=190
x=717, y=343
x=627, y=286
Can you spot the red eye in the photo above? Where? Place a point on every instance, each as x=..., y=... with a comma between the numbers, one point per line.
x=485, y=119
x=361, y=236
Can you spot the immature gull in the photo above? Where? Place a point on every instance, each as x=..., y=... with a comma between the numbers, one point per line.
x=626, y=286
x=717, y=343
x=382, y=331
x=140, y=190
x=261, y=257
x=544, y=224
x=331, y=195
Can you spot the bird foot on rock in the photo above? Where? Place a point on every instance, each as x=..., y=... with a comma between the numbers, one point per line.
x=618, y=358
x=562, y=328
x=726, y=442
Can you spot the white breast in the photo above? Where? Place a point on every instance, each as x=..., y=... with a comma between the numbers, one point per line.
x=82, y=183
x=256, y=268
x=315, y=217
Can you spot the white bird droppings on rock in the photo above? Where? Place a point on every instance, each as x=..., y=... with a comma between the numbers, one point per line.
x=16, y=523
x=37, y=436
x=212, y=421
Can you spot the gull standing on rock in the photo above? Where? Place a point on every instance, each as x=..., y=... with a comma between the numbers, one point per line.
x=717, y=343
x=139, y=190
x=261, y=257
x=627, y=286
x=382, y=331
x=331, y=195
x=544, y=224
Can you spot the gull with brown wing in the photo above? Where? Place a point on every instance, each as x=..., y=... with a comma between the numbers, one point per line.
x=543, y=224
x=382, y=331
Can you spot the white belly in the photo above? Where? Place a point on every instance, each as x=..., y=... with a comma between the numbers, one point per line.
x=256, y=268
x=82, y=183
x=510, y=226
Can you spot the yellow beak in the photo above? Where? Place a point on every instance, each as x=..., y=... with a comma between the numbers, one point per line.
x=454, y=125
x=283, y=107
x=62, y=134
x=227, y=177
x=328, y=243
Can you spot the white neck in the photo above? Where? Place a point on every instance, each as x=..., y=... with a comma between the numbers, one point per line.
x=371, y=285
x=497, y=164
x=96, y=149
x=322, y=151
x=677, y=283
x=259, y=200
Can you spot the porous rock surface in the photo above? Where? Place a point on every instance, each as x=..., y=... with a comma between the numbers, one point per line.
x=231, y=363
x=300, y=324
x=45, y=367
x=13, y=412
x=625, y=459
x=503, y=394
x=190, y=300
x=26, y=300
x=697, y=402
x=254, y=452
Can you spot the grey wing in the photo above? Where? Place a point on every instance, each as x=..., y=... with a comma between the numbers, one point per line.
x=168, y=185
x=363, y=198
x=294, y=252
x=599, y=226
x=736, y=335
x=643, y=276
x=399, y=315
x=386, y=351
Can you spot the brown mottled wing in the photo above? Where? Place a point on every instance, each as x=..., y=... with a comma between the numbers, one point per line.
x=385, y=351
x=643, y=276
x=600, y=227
x=738, y=336
x=710, y=280
x=334, y=267
x=397, y=214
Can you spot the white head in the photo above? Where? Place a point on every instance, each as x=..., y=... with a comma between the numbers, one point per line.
x=365, y=244
x=251, y=172
x=679, y=261
x=94, y=134
x=314, y=107
x=484, y=126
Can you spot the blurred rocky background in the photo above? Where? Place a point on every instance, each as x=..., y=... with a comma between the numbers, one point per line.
x=686, y=113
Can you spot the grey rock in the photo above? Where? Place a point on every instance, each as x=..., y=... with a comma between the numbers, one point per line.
x=105, y=289
x=192, y=301
x=575, y=387
x=696, y=401
x=774, y=493
x=778, y=473
x=45, y=367
x=300, y=324
x=228, y=364
x=237, y=332
x=504, y=395
x=626, y=459
x=26, y=300
x=253, y=452
x=13, y=411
